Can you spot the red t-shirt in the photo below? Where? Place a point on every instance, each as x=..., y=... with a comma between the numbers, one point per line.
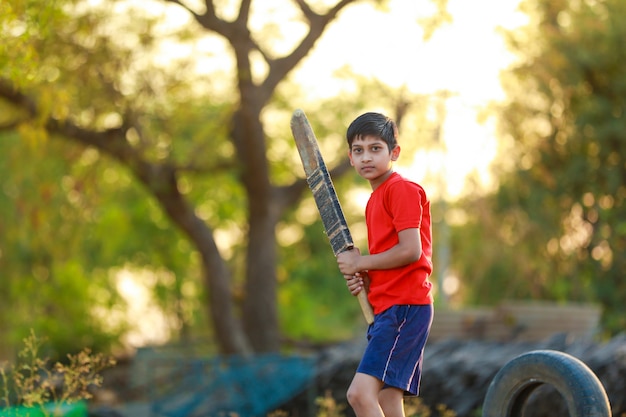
x=399, y=204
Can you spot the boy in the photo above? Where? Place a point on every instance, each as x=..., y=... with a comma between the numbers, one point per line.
x=395, y=273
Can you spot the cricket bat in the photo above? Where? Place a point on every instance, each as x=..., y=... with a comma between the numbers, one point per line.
x=321, y=185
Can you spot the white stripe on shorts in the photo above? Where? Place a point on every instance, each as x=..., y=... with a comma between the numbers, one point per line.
x=393, y=348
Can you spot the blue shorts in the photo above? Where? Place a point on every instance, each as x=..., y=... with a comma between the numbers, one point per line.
x=395, y=347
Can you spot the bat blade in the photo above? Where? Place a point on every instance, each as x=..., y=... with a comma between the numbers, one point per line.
x=321, y=185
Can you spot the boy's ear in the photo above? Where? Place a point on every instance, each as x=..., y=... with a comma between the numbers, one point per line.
x=350, y=156
x=395, y=153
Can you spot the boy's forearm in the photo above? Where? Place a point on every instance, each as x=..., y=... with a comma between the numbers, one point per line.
x=407, y=250
x=395, y=257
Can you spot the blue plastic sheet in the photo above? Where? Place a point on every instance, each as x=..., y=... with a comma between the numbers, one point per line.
x=242, y=386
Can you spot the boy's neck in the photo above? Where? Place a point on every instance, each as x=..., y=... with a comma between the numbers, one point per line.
x=378, y=181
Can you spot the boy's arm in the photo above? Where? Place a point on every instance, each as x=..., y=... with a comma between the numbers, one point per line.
x=408, y=249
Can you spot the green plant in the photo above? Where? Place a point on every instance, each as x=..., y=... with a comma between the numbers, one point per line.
x=328, y=407
x=445, y=411
x=33, y=383
x=414, y=407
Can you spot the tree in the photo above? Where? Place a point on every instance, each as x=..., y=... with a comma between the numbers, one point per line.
x=559, y=212
x=88, y=86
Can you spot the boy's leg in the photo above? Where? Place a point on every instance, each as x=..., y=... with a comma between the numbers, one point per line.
x=391, y=400
x=363, y=395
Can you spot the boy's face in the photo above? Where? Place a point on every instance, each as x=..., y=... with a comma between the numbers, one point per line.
x=371, y=158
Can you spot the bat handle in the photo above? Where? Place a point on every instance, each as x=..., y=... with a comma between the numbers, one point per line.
x=366, y=308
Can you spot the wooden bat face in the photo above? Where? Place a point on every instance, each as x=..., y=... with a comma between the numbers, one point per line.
x=326, y=199
x=321, y=184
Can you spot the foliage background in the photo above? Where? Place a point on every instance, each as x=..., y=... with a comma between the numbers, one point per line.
x=74, y=216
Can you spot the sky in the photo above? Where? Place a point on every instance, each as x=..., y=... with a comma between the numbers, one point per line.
x=464, y=57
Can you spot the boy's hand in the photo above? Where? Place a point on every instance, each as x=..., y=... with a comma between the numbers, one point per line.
x=357, y=282
x=348, y=261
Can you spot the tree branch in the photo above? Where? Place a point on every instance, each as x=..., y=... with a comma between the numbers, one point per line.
x=178, y=2
x=209, y=19
x=9, y=126
x=244, y=13
x=16, y=97
x=279, y=68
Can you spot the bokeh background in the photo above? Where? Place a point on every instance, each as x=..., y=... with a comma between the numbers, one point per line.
x=151, y=192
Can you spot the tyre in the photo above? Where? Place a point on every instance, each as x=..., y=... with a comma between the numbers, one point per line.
x=581, y=390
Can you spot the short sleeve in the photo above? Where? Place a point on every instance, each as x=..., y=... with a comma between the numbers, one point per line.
x=405, y=203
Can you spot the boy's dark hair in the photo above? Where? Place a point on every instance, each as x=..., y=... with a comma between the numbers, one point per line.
x=374, y=124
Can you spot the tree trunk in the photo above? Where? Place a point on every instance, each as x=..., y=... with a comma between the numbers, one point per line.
x=162, y=183
x=260, y=317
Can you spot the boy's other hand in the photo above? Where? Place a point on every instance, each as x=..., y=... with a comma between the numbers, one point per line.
x=348, y=261
x=357, y=282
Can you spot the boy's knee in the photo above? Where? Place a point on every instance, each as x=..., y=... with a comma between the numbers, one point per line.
x=362, y=395
x=352, y=396
x=356, y=397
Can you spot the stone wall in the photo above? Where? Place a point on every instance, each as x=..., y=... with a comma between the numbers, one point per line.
x=457, y=373
x=517, y=321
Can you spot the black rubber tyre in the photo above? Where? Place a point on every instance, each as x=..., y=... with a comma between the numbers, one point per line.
x=581, y=390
